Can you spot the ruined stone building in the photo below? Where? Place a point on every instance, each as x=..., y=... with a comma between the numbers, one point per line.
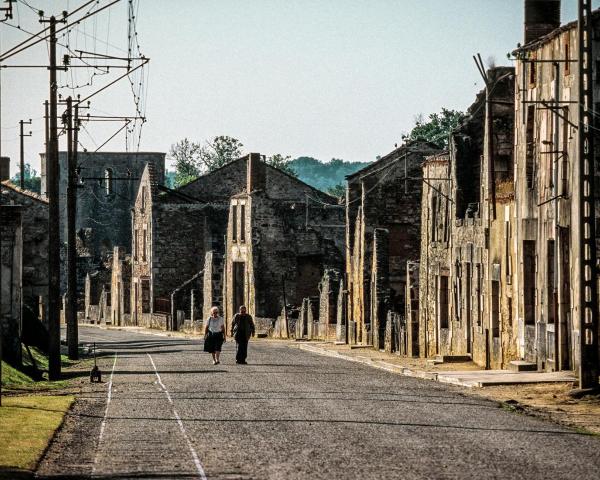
x=25, y=265
x=547, y=187
x=172, y=232
x=282, y=234
x=182, y=238
x=383, y=233
x=466, y=292
x=11, y=265
x=108, y=185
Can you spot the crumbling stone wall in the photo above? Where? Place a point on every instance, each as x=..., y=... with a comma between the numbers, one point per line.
x=120, y=287
x=11, y=263
x=274, y=240
x=35, y=261
x=328, y=301
x=435, y=252
x=380, y=286
x=466, y=292
x=386, y=194
x=104, y=206
x=547, y=211
x=412, y=309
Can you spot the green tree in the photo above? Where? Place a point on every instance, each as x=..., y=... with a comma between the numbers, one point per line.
x=338, y=190
x=33, y=181
x=192, y=159
x=282, y=163
x=219, y=152
x=185, y=154
x=437, y=128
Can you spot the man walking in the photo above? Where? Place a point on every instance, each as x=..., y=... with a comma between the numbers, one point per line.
x=242, y=328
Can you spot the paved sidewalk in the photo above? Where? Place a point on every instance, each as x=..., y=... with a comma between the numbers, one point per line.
x=471, y=376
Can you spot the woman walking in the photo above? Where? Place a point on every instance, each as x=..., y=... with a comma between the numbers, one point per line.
x=214, y=335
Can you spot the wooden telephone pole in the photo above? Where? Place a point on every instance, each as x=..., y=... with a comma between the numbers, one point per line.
x=71, y=120
x=52, y=173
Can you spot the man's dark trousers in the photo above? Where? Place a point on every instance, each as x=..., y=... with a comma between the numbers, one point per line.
x=242, y=351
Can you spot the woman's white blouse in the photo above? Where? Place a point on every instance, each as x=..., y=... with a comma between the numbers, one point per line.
x=215, y=324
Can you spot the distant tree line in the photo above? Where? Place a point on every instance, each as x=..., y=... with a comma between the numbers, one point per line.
x=193, y=159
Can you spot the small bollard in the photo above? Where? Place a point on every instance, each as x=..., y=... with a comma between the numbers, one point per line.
x=95, y=375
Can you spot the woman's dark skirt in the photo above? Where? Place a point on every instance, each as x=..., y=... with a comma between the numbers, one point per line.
x=213, y=342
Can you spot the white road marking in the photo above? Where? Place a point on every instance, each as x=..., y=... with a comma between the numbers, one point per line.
x=180, y=423
x=103, y=424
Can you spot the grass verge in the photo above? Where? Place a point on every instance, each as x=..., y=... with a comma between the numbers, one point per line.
x=33, y=376
x=28, y=424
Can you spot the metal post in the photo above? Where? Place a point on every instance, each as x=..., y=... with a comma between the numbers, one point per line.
x=52, y=174
x=586, y=262
x=22, y=152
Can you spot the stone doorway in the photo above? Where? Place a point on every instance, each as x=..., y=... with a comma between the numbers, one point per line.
x=239, y=285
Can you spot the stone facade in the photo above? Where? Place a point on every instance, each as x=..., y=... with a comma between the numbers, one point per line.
x=109, y=183
x=466, y=254
x=280, y=231
x=35, y=261
x=329, y=288
x=11, y=265
x=120, y=302
x=547, y=209
x=170, y=237
x=435, y=258
x=385, y=195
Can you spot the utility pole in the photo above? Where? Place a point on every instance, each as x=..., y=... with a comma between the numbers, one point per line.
x=22, y=136
x=52, y=174
x=588, y=291
x=71, y=307
x=8, y=14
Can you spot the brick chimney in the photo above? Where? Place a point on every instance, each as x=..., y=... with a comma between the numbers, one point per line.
x=4, y=168
x=256, y=173
x=541, y=17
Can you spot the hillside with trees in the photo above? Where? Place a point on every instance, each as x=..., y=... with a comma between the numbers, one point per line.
x=326, y=176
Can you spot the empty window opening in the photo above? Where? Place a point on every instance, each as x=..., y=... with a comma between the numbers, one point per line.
x=529, y=286
x=532, y=72
x=144, y=245
x=434, y=220
x=551, y=283
x=458, y=293
x=239, y=285
x=234, y=223
x=468, y=294
x=145, y=286
x=242, y=222
x=495, y=309
x=478, y=302
x=443, y=301
x=530, y=146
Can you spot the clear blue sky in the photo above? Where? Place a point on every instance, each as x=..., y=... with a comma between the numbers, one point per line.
x=326, y=79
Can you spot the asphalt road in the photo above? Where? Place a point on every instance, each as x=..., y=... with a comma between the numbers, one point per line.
x=289, y=414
